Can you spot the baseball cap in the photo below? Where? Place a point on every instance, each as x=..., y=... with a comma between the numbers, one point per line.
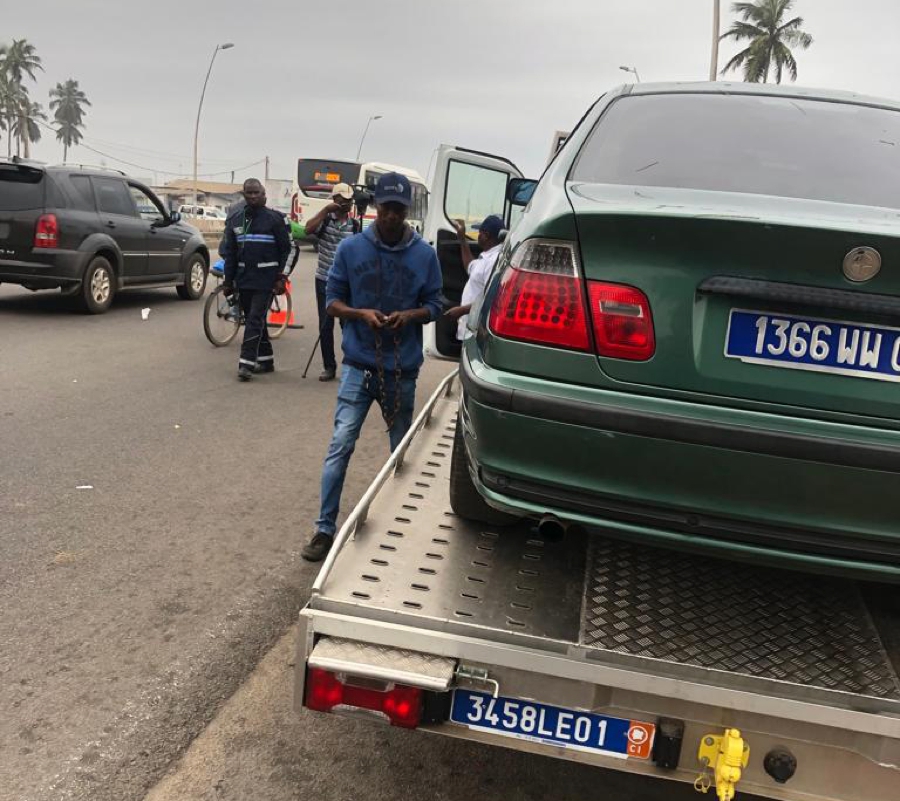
x=393, y=188
x=342, y=190
x=492, y=225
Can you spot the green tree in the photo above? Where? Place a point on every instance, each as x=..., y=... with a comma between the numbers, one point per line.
x=27, y=124
x=771, y=37
x=68, y=103
x=17, y=61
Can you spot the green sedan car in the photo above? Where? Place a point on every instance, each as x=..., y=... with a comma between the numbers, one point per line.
x=691, y=338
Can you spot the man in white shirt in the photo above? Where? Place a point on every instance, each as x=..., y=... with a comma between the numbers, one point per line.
x=479, y=269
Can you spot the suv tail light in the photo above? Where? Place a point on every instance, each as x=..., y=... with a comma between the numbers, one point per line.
x=46, y=232
x=623, y=323
x=401, y=705
x=541, y=299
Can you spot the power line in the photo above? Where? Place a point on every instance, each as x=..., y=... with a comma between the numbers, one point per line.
x=152, y=169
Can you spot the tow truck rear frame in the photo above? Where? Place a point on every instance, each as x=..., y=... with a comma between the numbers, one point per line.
x=803, y=667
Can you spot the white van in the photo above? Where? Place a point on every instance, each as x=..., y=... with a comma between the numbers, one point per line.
x=316, y=177
x=202, y=212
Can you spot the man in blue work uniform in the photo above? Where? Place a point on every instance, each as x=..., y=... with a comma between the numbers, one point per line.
x=384, y=284
x=255, y=248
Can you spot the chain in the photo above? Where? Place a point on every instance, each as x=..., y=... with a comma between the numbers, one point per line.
x=389, y=416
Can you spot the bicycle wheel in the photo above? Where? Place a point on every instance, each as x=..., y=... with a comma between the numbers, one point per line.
x=221, y=320
x=281, y=305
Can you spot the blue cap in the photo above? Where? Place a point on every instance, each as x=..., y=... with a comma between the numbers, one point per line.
x=393, y=188
x=492, y=226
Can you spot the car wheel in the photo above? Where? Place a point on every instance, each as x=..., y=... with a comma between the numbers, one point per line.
x=195, y=275
x=465, y=499
x=97, y=287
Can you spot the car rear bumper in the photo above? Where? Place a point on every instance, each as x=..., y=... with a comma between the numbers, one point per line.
x=50, y=268
x=740, y=484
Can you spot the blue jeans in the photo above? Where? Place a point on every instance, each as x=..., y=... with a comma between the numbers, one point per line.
x=357, y=391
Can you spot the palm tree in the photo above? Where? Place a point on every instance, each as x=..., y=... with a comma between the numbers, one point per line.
x=68, y=106
x=771, y=38
x=18, y=60
x=6, y=103
x=26, y=127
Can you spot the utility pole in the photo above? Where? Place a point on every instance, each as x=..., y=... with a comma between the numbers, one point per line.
x=714, y=63
x=232, y=176
x=267, y=168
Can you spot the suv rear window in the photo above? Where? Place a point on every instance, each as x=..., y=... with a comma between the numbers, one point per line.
x=21, y=188
x=787, y=147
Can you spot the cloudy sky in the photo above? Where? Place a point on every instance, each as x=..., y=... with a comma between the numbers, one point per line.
x=303, y=78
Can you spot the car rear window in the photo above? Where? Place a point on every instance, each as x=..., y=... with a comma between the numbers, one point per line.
x=787, y=147
x=21, y=188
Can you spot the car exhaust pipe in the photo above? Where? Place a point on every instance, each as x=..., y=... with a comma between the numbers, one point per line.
x=552, y=528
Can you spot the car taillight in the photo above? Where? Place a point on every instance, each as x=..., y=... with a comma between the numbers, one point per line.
x=402, y=706
x=46, y=232
x=623, y=324
x=540, y=298
x=295, y=208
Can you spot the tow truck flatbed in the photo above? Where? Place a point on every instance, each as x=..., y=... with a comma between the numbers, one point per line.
x=799, y=670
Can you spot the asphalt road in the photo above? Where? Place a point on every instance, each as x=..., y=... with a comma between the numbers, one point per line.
x=152, y=511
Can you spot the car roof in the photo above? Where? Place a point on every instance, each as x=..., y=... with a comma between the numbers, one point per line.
x=760, y=89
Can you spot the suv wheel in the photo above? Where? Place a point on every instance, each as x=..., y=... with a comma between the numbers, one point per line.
x=465, y=499
x=194, y=279
x=98, y=286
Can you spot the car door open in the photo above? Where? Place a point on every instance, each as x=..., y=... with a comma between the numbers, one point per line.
x=468, y=186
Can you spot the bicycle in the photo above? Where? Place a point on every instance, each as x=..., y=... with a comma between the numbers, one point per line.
x=223, y=316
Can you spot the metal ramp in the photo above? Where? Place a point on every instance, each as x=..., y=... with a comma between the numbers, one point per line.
x=600, y=600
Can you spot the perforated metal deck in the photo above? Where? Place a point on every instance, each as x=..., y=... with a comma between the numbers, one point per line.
x=601, y=600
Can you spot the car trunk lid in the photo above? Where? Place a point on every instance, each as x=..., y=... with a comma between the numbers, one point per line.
x=714, y=264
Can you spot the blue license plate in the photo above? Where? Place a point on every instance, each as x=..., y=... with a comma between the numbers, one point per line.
x=823, y=346
x=553, y=725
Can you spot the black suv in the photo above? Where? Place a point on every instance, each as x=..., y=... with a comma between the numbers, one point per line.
x=91, y=233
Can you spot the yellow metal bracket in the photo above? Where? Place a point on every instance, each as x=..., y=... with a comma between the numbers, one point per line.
x=723, y=757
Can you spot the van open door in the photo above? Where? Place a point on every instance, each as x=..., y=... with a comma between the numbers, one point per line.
x=467, y=185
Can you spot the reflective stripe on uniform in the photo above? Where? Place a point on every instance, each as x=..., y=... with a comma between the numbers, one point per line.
x=266, y=358
x=267, y=264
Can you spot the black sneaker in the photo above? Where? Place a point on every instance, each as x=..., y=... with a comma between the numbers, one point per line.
x=265, y=367
x=317, y=548
x=244, y=373
x=328, y=374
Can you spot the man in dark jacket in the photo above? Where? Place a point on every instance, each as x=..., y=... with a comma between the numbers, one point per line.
x=256, y=246
x=384, y=284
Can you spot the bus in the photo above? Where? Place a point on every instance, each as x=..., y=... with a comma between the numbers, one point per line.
x=316, y=177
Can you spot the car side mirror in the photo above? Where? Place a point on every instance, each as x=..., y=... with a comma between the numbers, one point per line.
x=520, y=190
x=175, y=217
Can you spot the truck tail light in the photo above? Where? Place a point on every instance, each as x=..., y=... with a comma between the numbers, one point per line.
x=541, y=299
x=46, y=232
x=623, y=323
x=327, y=691
x=295, y=208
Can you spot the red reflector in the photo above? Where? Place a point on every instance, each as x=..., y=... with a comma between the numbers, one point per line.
x=544, y=308
x=46, y=232
x=402, y=705
x=623, y=324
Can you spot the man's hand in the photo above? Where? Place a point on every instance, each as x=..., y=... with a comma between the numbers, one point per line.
x=372, y=318
x=398, y=319
x=280, y=286
x=337, y=208
x=227, y=289
x=456, y=312
x=460, y=227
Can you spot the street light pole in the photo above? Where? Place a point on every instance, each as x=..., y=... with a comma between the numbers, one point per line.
x=714, y=64
x=632, y=70
x=226, y=46
x=368, y=123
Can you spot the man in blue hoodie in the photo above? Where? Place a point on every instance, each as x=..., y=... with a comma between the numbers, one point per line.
x=384, y=284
